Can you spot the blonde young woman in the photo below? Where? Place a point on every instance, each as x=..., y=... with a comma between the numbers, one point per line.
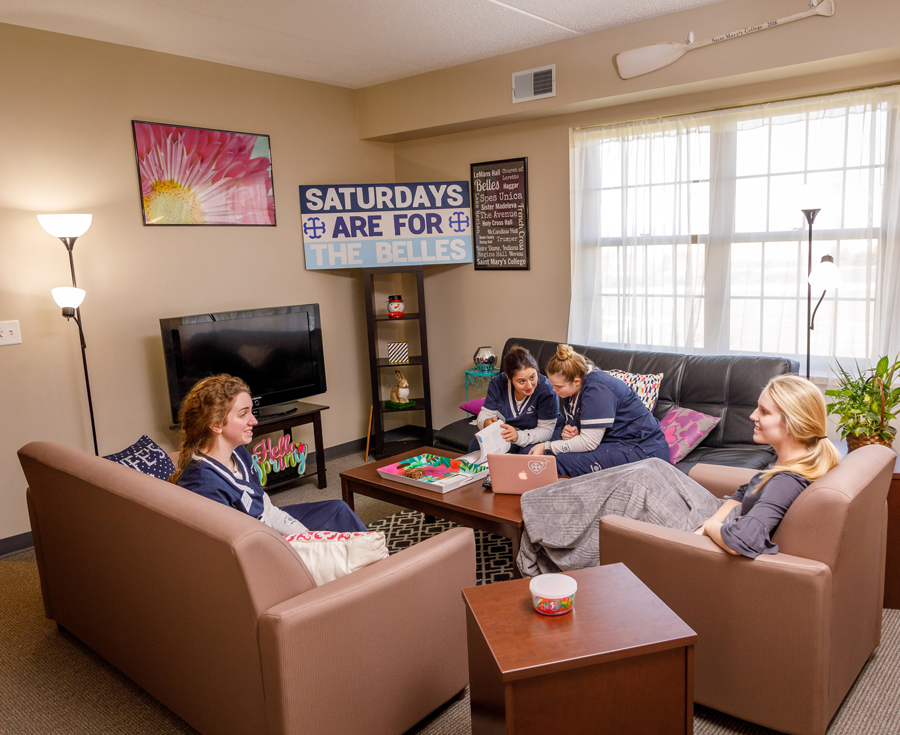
x=790, y=416
x=606, y=424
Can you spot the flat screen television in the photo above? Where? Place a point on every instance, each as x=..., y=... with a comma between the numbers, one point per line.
x=277, y=352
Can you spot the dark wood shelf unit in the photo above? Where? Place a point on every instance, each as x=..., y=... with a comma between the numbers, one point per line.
x=420, y=406
x=378, y=364
x=387, y=318
x=413, y=360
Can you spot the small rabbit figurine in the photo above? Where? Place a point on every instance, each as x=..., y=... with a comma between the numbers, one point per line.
x=400, y=392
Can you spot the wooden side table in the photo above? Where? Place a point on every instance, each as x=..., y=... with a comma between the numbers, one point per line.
x=479, y=379
x=892, y=560
x=620, y=662
x=305, y=413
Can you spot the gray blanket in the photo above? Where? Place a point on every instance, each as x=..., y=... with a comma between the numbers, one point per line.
x=562, y=520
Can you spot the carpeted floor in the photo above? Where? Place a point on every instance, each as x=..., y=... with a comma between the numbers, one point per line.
x=51, y=683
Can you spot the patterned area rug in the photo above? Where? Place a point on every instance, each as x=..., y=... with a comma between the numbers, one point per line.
x=493, y=554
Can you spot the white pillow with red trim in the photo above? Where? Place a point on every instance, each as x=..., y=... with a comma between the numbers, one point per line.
x=329, y=555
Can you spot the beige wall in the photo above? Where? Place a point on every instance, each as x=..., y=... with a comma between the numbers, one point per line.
x=66, y=106
x=478, y=94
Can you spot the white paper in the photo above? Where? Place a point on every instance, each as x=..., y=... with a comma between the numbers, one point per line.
x=489, y=442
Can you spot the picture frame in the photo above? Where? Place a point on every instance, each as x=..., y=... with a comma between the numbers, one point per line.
x=192, y=176
x=398, y=353
x=499, y=195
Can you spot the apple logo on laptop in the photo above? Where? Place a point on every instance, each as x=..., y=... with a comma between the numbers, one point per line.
x=523, y=475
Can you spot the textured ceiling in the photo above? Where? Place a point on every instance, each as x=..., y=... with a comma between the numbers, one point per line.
x=349, y=43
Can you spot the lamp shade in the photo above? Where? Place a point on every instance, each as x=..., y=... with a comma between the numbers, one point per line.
x=65, y=225
x=826, y=275
x=68, y=296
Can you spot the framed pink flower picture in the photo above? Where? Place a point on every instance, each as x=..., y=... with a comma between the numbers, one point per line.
x=195, y=176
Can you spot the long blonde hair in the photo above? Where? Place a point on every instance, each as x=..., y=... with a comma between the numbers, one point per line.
x=568, y=363
x=803, y=413
x=207, y=403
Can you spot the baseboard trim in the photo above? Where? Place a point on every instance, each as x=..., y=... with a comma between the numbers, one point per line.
x=15, y=544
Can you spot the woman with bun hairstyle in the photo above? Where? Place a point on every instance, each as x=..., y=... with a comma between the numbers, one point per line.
x=790, y=416
x=523, y=400
x=606, y=424
x=217, y=423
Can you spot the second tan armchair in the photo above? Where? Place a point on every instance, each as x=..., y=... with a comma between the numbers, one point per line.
x=781, y=638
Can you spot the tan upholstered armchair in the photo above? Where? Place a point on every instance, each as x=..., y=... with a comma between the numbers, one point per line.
x=781, y=638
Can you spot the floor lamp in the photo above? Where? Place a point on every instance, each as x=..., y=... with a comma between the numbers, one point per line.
x=825, y=277
x=68, y=228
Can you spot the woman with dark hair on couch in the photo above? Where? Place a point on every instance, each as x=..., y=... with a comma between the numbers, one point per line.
x=217, y=421
x=523, y=400
x=606, y=424
x=790, y=416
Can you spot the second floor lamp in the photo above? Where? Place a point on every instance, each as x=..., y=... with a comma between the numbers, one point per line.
x=68, y=228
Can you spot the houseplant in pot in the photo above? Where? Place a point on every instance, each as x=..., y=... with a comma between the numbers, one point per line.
x=865, y=403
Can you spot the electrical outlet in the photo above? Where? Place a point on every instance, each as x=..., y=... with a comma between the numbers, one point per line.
x=10, y=334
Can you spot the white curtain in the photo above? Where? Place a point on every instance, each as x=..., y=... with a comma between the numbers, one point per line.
x=687, y=233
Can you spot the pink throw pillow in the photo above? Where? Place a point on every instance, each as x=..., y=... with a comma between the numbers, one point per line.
x=684, y=430
x=473, y=406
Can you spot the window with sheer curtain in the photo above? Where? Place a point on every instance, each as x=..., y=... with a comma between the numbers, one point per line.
x=687, y=233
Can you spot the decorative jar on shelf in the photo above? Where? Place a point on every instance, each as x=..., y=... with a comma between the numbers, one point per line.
x=396, y=309
x=485, y=359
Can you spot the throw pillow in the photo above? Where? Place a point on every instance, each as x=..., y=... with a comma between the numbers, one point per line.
x=329, y=555
x=146, y=456
x=646, y=386
x=473, y=407
x=684, y=430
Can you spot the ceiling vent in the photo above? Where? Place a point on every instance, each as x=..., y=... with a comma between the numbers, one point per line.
x=534, y=84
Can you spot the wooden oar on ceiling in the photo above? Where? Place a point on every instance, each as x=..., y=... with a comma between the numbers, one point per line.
x=645, y=59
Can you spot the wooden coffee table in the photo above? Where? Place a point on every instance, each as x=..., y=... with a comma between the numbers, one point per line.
x=471, y=505
x=621, y=662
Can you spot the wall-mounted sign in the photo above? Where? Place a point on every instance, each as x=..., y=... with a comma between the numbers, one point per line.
x=500, y=209
x=383, y=225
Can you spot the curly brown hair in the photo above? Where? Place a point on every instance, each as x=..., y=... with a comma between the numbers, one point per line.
x=207, y=403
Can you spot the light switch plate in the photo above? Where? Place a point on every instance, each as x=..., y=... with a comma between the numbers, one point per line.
x=9, y=333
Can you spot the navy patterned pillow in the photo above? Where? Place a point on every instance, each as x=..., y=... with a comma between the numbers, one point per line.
x=146, y=456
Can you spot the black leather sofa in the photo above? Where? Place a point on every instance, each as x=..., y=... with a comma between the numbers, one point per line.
x=715, y=385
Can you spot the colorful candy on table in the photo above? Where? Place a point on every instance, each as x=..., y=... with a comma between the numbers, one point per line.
x=553, y=594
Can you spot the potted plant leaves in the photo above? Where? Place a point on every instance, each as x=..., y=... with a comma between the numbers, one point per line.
x=866, y=403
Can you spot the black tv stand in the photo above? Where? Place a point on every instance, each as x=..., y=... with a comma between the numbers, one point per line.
x=298, y=415
x=260, y=415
